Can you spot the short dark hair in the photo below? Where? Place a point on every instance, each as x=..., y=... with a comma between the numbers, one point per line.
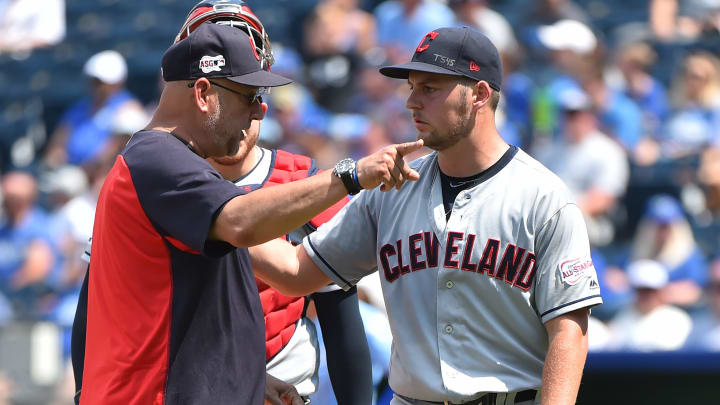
x=494, y=94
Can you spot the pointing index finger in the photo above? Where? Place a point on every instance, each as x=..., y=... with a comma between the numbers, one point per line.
x=409, y=147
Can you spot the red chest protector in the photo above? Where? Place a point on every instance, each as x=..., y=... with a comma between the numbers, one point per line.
x=281, y=312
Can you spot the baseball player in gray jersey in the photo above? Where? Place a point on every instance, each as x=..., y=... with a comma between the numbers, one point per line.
x=485, y=261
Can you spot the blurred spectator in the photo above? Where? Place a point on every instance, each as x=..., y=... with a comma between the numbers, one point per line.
x=382, y=100
x=339, y=26
x=548, y=12
x=709, y=178
x=126, y=122
x=303, y=124
x=571, y=47
x=84, y=130
x=71, y=221
x=695, y=121
x=516, y=101
x=664, y=235
x=568, y=35
x=593, y=166
x=26, y=255
x=478, y=14
x=27, y=24
x=337, y=36
x=684, y=21
x=619, y=116
x=634, y=60
x=650, y=324
x=403, y=23
x=705, y=334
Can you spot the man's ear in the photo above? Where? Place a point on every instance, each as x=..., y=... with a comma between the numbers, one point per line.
x=481, y=94
x=201, y=91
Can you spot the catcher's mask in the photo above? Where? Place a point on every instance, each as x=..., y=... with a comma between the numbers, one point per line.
x=235, y=13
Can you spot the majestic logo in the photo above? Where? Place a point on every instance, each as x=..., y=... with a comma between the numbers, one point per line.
x=425, y=42
x=572, y=271
x=212, y=63
x=444, y=60
x=593, y=284
x=474, y=66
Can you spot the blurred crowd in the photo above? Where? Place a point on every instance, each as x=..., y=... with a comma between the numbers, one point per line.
x=635, y=135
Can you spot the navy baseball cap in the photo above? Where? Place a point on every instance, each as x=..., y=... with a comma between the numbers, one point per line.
x=215, y=51
x=457, y=51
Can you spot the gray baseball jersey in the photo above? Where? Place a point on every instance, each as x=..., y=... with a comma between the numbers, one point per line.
x=466, y=297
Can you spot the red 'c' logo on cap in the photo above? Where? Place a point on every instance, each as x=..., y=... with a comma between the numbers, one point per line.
x=425, y=43
x=474, y=66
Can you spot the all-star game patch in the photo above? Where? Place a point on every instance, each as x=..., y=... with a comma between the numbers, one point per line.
x=212, y=63
x=574, y=270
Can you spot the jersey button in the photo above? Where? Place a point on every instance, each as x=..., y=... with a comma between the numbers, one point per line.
x=449, y=284
x=467, y=196
x=448, y=329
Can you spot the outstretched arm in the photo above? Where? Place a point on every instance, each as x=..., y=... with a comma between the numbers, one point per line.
x=287, y=268
x=566, y=357
x=268, y=213
x=348, y=354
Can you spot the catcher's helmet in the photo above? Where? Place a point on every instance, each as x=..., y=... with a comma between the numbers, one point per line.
x=235, y=13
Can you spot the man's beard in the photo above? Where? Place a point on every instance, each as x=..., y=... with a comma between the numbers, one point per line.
x=460, y=130
x=223, y=138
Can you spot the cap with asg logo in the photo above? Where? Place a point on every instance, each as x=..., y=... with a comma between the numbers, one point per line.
x=215, y=51
x=457, y=51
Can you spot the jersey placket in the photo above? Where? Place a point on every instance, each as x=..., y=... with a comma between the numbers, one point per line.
x=451, y=323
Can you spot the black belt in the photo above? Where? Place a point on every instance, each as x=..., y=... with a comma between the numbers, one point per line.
x=491, y=397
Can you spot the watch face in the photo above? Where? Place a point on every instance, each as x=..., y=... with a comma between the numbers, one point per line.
x=344, y=165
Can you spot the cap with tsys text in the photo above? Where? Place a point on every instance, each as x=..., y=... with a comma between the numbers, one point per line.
x=216, y=51
x=457, y=51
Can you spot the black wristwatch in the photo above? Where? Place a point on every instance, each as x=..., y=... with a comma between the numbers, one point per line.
x=345, y=170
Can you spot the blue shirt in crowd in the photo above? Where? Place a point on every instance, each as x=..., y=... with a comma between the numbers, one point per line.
x=90, y=131
x=14, y=240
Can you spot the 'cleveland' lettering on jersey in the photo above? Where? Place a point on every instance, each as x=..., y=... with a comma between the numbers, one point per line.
x=516, y=265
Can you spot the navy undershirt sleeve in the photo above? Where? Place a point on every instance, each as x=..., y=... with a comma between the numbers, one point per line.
x=348, y=354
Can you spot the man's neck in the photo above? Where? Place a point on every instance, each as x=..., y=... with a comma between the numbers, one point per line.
x=472, y=154
x=239, y=169
x=174, y=129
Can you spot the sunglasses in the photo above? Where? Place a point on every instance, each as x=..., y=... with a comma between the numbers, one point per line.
x=251, y=98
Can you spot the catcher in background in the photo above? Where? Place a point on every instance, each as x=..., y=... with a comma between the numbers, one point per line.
x=292, y=351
